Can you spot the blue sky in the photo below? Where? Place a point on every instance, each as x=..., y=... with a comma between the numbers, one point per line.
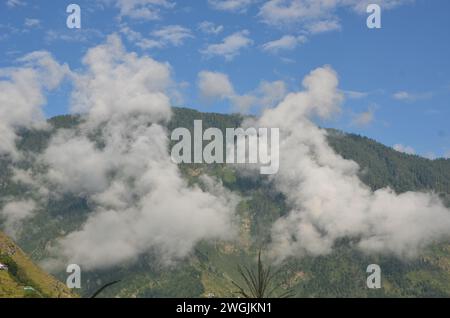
x=396, y=79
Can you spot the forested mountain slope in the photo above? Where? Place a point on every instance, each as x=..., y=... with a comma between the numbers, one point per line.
x=212, y=267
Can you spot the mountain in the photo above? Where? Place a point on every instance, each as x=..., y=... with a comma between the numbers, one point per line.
x=212, y=267
x=23, y=278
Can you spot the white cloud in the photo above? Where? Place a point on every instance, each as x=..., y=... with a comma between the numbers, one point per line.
x=364, y=118
x=355, y=94
x=430, y=155
x=271, y=93
x=140, y=202
x=328, y=200
x=102, y=91
x=15, y=3
x=278, y=12
x=210, y=28
x=217, y=86
x=405, y=149
x=411, y=97
x=402, y=95
x=315, y=16
x=230, y=46
x=231, y=5
x=324, y=26
x=287, y=42
x=22, y=96
x=360, y=6
x=14, y=213
x=171, y=35
x=83, y=35
x=88, y=175
x=29, y=22
x=214, y=85
x=141, y=9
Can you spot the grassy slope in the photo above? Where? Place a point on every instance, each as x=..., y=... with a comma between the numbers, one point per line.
x=23, y=272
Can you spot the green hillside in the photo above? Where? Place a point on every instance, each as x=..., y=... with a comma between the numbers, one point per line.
x=23, y=278
x=212, y=267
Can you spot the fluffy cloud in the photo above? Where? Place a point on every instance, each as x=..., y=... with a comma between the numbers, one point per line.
x=405, y=149
x=214, y=85
x=230, y=46
x=287, y=42
x=230, y=5
x=271, y=93
x=141, y=204
x=364, y=118
x=14, y=213
x=217, y=86
x=328, y=200
x=109, y=89
x=22, y=96
x=88, y=175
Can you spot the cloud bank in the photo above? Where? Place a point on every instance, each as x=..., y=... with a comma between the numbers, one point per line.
x=118, y=159
x=329, y=201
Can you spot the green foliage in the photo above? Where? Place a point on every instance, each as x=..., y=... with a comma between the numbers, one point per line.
x=259, y=283
x=382, y=166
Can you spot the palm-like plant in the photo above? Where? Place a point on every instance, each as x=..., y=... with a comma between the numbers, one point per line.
x=260, y=282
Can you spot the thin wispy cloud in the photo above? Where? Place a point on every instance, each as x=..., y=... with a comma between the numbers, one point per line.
x=141, y=9
x=167, y=36
x=230, y=47
x=405, y=96
x=172, y=35
x=315, y=16
x=30, y=23
x=285, y=43
x=324, y=26
x=231, y=5
x=15, y=3
x=355, y=94
x=83, y=35
x=208, y=27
